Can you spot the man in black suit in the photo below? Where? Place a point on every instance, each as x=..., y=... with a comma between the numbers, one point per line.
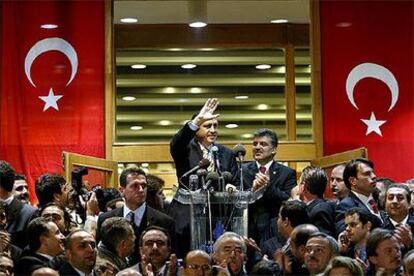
x=360, y=179
x=18, y=214
x=133, y=187
x=397, y=217
x=192, y=143
x=311, y=189
x=80, y=254
x=45, y=243
x=266, y=175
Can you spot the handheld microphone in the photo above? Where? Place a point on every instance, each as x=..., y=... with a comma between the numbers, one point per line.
x=193, y=182
x=227, y=176
x=204, y=163
x=211, y=178
x=239, y=151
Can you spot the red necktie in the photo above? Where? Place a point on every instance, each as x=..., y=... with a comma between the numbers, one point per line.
x=374, y=205
x=262, y=169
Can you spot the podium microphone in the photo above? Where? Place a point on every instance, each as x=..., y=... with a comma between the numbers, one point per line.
x=202, y=173
x=211, y=178
x=215, y=151
x=204, y=163
x=239, y=151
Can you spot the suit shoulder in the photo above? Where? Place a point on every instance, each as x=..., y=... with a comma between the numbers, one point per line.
x=113, y=213
x=159, y=215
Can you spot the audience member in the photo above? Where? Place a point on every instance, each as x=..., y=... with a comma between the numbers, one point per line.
x=117, y=243
x=45, y=271
x=134, y=189
x=320, y=248
x=197, y=263
x=266, y=267
x=21, y=189
x=6, y=265
x=311, y=189
x=338, y=187
x=5, y=239
x=155, y=250
x=291, y=214
x=383, y=253
x=230, y=251
x=273, y=179
x=109, y=199
x=45, y=243
x=343, y=266
x=80, y=254
x=155, y=196
x=359, y=223
x=18, y=214
x=295, y=265
x=360, y=178
x=382, y=184
x=408, y=263
x=398, y=217
x=52, y=188
x=56, y=213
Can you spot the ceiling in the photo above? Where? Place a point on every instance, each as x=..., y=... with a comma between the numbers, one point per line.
x=216, y=11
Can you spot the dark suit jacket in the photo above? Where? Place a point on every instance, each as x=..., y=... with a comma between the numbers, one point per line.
x=151, y=217
x=322, y=215
x=18, y=217
x=346, y=204
x=29, y=262
x=67, y=269
x=282, y=180
x=187, y=154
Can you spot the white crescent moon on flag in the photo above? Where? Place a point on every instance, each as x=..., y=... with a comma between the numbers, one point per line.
x=51, y=44
x=371, y=70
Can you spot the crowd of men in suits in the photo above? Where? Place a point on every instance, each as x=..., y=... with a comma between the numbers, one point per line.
x=366, y=229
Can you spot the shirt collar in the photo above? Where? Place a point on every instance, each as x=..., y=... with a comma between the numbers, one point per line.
x=8, y=200
x=139, y=212
x=45, y=255
x=267, y=165
x=80, y=272
x=403, y=222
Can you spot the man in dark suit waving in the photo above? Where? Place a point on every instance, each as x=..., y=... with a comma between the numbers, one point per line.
x=275, y=179
x=133, y=183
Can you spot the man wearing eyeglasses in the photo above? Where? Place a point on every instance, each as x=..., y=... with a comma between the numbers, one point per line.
x=230, y=250
x=133, y=187
x=197, y=263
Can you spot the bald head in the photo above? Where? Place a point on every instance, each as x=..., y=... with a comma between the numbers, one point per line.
x=45, y=271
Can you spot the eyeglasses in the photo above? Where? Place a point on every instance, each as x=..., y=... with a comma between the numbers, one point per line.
x=205, y=267
x=315, y=249
x=236, y=250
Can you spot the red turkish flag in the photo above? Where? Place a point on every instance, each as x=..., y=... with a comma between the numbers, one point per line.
x=52, y=83
x=367, y=82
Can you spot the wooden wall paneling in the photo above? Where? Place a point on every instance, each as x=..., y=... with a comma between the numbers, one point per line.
x=109, y=80
x=316, y=83
x=287, y=151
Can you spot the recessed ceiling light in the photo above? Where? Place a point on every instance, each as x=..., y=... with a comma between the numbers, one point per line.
x=188, y=66
x=129, y=20
x=195, y=90
x=165, y=122
x=175, y=49
x=136, y=127
x=241, y=97
x=232, y=125
x=262, y=107
x=263, y=66
x=169, y=90
x=207, y=49
x=129, y=98
x=279, y=21
x=48, y=26
x=144, y=165
x=138, y=66
x=247, y=135
x=198, y=24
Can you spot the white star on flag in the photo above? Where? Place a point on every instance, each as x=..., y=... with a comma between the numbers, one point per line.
x=50, y=100
x=373, y=125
